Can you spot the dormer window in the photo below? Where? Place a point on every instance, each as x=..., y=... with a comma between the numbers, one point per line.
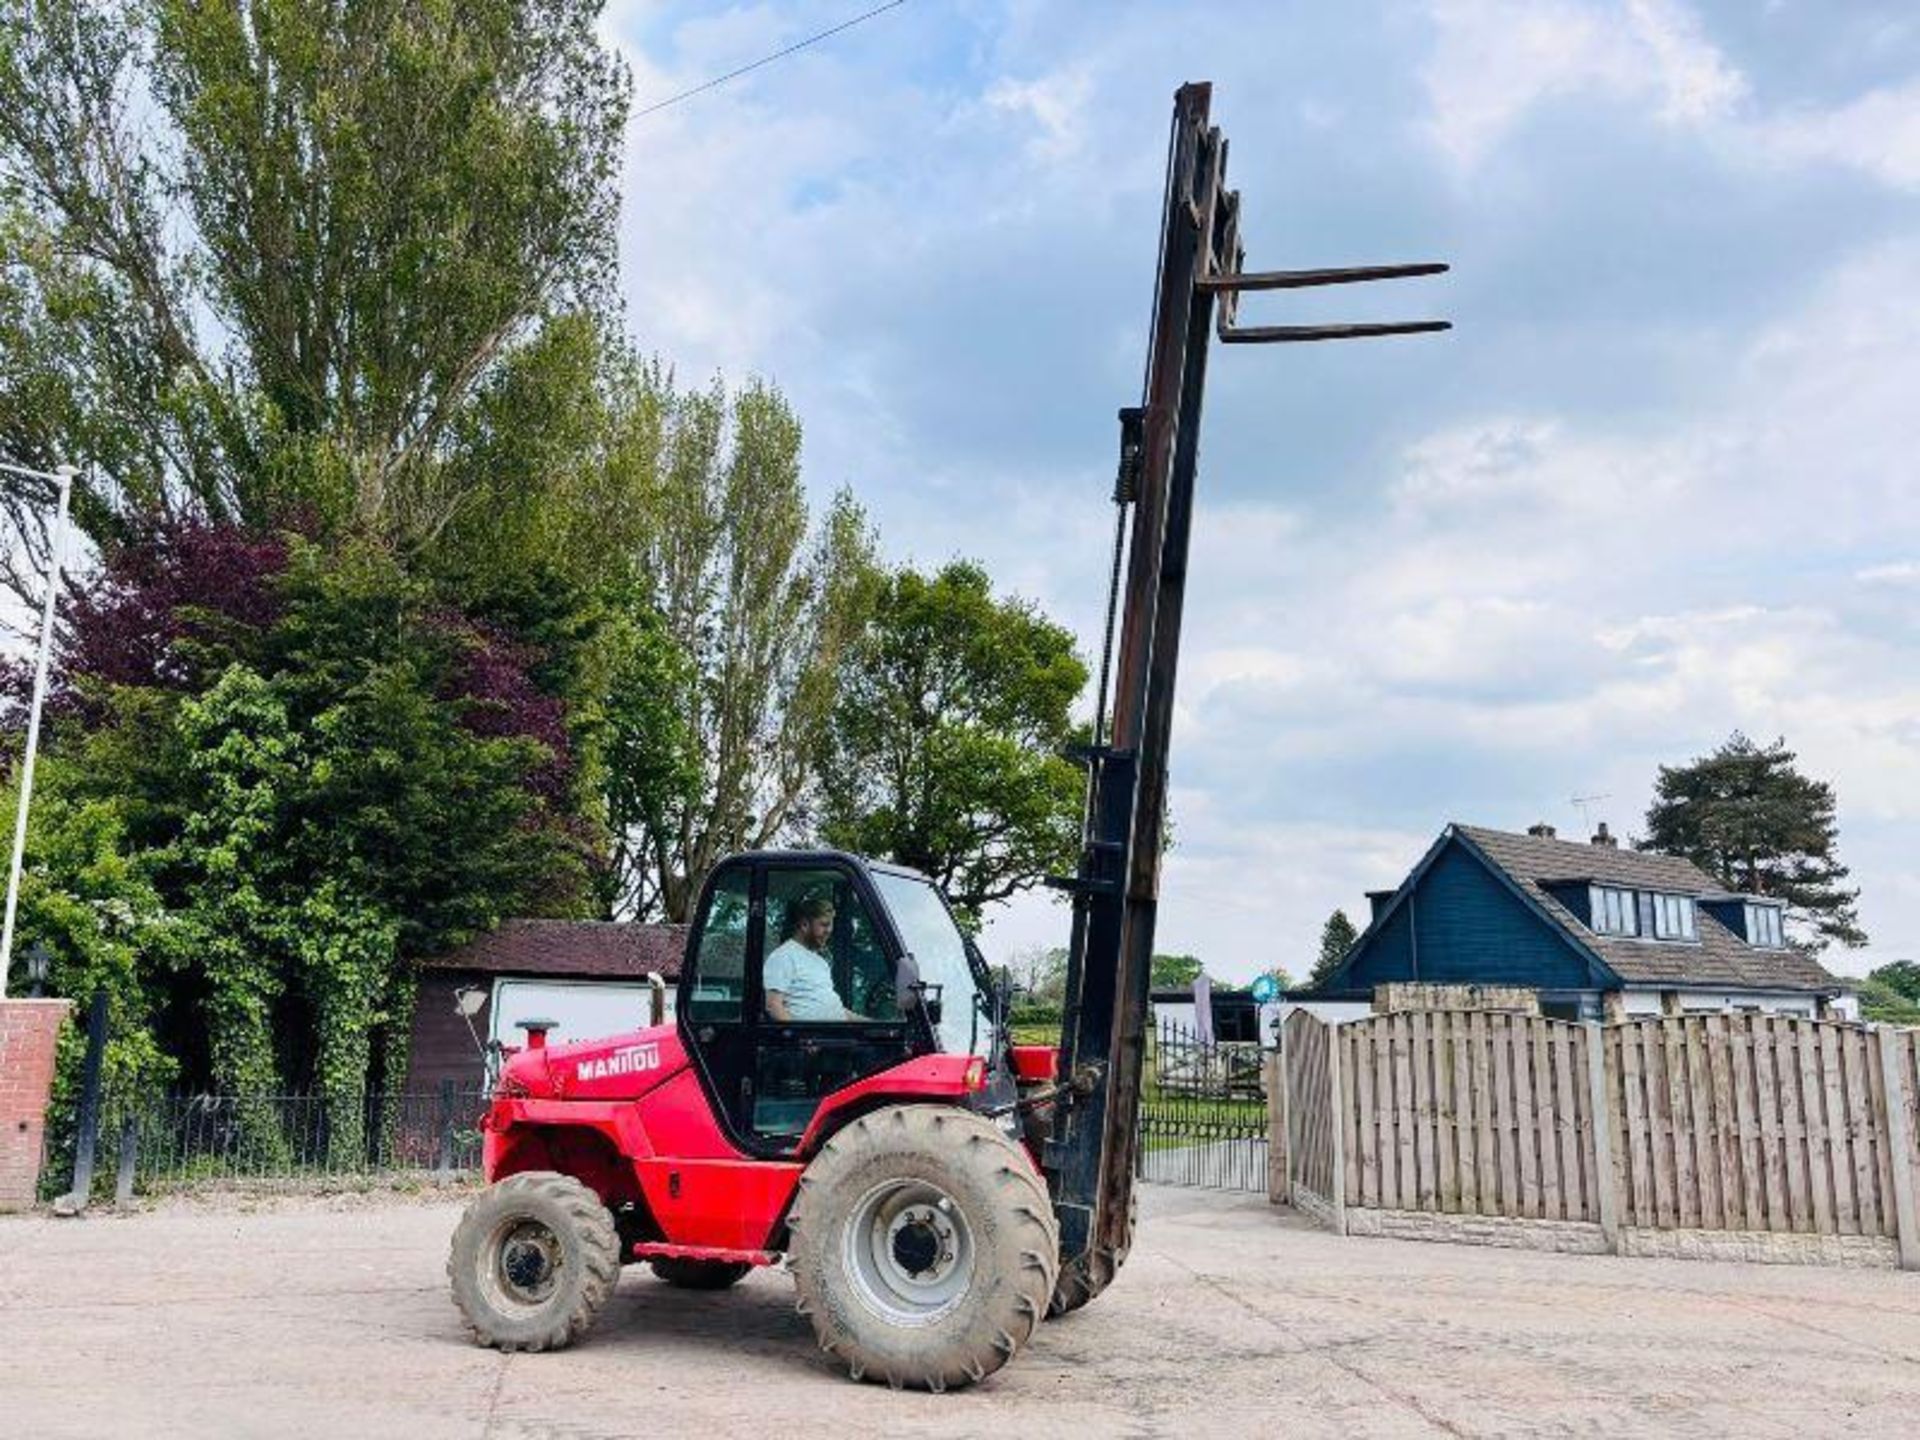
x=1673, y=917
x=1614, y=912
x=1763, y=927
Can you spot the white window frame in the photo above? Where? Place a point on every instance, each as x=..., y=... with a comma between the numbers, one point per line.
x=1767, y=919
x=1615, y=911
x=1674, y=917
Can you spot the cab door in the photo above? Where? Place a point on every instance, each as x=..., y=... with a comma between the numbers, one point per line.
x=839, y=1021
x=716, y=1017
x=769, y=1055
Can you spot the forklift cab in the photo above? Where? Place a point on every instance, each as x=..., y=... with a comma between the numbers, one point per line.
x=875, y=972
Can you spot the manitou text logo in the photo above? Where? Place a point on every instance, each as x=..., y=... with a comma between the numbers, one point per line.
x=621, y=1062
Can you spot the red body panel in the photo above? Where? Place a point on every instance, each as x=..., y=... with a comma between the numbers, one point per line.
x=925, y=1077
x=662, y=1250
x=734, y=1204
x=627, y=1116
x=1034, y=1063
x=680, y=1122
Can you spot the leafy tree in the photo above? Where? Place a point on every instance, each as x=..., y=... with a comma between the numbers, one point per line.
x=1040, y=974
x=1891, y=994
x=1280, y=976
x=755, y=615
x=1337, y=939
x=320, y=773
x=89, y=897
x=1900, y=976
x=1747, y=817
x=944, y=751
x=1174, y=972
x=264, y=259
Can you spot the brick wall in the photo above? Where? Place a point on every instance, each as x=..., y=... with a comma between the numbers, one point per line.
x=28, y=1029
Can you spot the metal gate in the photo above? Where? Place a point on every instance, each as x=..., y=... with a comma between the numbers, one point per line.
x=1203, y=1114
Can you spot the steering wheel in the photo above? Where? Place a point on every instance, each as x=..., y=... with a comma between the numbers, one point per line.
x=878, y=1001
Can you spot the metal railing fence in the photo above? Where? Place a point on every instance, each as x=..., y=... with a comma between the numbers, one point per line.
x=1203, y=1115
x=158, y=1142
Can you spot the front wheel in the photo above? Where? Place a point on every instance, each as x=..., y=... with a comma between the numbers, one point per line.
x=533, y=1260
x=924, y=1247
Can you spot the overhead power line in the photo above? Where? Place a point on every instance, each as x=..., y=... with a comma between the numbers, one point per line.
x=768, y=59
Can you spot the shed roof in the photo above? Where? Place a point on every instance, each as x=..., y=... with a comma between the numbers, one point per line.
x=586, y=949
x=1720, y=958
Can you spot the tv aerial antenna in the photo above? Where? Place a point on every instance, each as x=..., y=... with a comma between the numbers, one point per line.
x=1584, y=804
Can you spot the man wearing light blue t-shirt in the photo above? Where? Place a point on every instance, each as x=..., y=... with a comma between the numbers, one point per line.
x=798, y=980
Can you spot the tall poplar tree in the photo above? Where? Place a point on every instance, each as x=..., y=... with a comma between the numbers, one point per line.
x=259, y=260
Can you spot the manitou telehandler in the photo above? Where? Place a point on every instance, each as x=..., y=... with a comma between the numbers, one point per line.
x=838, y=1093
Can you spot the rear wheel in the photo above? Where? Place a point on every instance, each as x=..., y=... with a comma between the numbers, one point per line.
x=700, y=1274
x=924, y=1247
x=533, y=1260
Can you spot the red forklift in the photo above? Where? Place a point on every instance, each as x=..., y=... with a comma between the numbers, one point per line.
x=839, y=1094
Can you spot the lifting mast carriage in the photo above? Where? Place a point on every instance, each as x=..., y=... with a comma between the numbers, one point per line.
x=932, y=1187
x=1091, y=1155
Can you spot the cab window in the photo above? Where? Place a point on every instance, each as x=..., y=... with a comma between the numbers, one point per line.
x=720, y=974
x=824, y=960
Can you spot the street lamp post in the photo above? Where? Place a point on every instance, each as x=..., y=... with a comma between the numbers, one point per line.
x=62, y=477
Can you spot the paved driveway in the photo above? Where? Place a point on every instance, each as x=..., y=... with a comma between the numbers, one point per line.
x=331, y=1318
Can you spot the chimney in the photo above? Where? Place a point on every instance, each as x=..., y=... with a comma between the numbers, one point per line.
x=1605, y=838
x=1379, y=900
x=1542, y=831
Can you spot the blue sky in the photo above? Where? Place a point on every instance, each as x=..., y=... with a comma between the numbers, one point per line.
x=1659, y=483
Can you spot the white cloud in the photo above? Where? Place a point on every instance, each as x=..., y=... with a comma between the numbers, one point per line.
x=1878, y=133
x=1899, y=572
x=1055, y=105
x=1493, y=62
x=1492, y=66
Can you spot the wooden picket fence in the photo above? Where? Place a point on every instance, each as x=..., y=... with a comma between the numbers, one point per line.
x=1309, y=1122
x=1756, y=1124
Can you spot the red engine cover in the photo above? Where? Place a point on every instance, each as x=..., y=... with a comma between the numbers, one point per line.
x=616, y=1067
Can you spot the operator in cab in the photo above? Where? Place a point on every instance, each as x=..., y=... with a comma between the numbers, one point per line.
x=798, y=980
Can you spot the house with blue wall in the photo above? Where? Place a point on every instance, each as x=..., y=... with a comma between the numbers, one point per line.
x=1598, y=931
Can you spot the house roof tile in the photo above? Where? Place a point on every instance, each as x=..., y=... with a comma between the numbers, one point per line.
x=597, y=949
x=1720, y=958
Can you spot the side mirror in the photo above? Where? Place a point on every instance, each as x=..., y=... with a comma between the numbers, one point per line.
x=470, y=1001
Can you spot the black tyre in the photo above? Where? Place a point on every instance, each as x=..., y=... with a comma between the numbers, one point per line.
x=1085, y=1279
x=700, y=1274
x=924, y=1247
x=533, y=1260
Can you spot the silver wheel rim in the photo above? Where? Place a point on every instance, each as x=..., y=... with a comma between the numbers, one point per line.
x=522, y=1263
x=909, y=1251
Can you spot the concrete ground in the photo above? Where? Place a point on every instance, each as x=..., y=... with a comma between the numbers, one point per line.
x=331, y=1317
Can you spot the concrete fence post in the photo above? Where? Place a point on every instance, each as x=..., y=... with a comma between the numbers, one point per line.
x=1279, y=1190
x=1893, y=1045
x=129, y=1156
x=1336, y=1120
x=1607, y=1175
